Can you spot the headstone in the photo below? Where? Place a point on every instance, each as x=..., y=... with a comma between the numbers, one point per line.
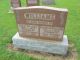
x=41, y=28
x=14, y=4
x=41, y=22
x=32, y=2
x=48, y=2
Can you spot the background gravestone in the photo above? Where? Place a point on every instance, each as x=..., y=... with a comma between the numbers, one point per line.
x=14, y=4
x=48, y=2
x=32, y=2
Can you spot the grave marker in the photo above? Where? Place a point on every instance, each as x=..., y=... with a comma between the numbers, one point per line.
x=15, y=3
x=32, y=2
x=41, y=22
x=48, y=2
x=41, y=28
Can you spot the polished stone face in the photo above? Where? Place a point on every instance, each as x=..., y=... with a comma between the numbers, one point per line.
x=41, y=22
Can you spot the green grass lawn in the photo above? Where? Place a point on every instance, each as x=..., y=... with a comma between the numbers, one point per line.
x=8, y=28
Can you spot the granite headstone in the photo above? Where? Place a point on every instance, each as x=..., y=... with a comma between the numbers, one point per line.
x=15, y=3
x=41, y=28
x=41, y=22
x=48, y=2
x=32, y=2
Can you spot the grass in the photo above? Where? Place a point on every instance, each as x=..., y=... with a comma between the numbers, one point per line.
x=8, y=28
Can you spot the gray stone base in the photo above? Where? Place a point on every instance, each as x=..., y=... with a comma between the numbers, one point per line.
x=39, y=45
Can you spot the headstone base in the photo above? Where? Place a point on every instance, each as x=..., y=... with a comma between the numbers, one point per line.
x=55, y=47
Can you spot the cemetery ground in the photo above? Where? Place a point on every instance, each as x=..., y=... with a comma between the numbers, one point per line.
x=8, y=29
